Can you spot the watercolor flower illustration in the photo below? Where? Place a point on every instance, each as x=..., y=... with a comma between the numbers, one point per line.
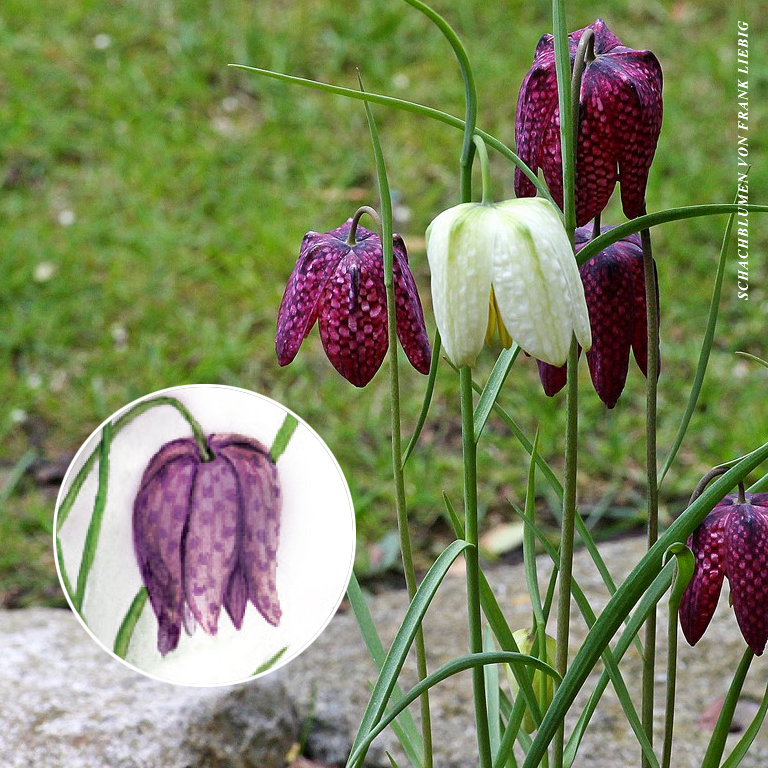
x=206, y=533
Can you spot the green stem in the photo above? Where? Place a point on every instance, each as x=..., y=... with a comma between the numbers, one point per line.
x=359, y=213
x=485, y=170
x=401, y=506
x=94, y=527
x=671, y=682
x=471, y=555
x=567, y=532
x=649, y=644
x=66, y=505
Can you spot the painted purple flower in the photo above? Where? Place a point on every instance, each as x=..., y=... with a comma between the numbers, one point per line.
x=205, y=534
x=340, y=285
x=732, y=541
x=614, y=287
x=621, y=110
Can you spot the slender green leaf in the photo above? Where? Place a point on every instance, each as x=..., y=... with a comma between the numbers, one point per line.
x=529, y=540
x=428, y=392
x=760, y=486
x=270, y=662
x=406, y=106
x=601, y=242
x=405, y=635
x=128, y=624
x=94, y=527
x=745, y=742
x=493, y=386
x=63, y=569
x=627, y=596
x=498, y=623
x=21, y=466
x=753, y=358
x=283, y=436
x=706, y=348
x=145, y=405
x=410, y=738
x=493, y=703
x=716, y=744
x=449, y=669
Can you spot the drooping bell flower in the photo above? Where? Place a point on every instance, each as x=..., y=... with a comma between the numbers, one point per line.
x=506, y=269
x=338, y=281
x=732, y=542
x=620, y=121
x=205, y=534
x=614, y=287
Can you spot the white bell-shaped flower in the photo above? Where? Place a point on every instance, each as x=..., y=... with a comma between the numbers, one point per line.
x=506, y=268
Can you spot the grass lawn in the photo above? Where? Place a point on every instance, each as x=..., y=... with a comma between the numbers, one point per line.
x=153, y=201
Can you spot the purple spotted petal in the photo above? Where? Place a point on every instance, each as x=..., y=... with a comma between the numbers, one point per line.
x=261, y=504
x=210, y=545
x=353, y=313
x=236, y=597
x=614, y=289
x=318, y=258
x=700, y=598
x=746, y=562
x=620, y=112
x=159, y=518
x=409, y=315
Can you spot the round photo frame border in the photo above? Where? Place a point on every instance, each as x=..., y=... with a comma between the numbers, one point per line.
x=92, y=442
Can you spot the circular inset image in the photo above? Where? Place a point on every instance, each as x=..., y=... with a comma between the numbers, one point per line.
x=204, y=535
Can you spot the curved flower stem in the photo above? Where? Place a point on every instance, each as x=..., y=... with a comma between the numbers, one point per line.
x=66, y=505
x=652, y=303
x=471, y=554
x=359, y=213
x=401, y=506
x=596, y=227
x=485, y=169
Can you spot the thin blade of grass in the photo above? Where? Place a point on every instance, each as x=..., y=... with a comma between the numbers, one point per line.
x=745, y=742
x=410, y=738
x=400, y=646
x=706, y=349
x=128, y=624
x=427, y=402
x=498, y=623
x=493, y=386
x=449, y=669
x=270, y=662
x=633, y=226
x=716, y=744
x=627, y=595
x=283, y=436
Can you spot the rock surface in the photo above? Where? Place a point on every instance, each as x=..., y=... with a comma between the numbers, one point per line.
x=65, y=702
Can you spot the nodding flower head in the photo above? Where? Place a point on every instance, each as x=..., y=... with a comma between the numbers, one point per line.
x=620, y=120
x=614, y=287
x=340, y=284
x=205, y=534
x=508, y=269
x=732, y=542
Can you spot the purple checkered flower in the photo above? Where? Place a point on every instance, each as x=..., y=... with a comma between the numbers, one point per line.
x=206, y=533
x=340, y=284
x=621, y=110
x=614, y=287
x=732, y=541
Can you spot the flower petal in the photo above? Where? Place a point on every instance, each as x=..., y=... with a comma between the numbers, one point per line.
x=319, y=256
x=260, y=522
x=459, y=250
x=353, y=314
x=553, y=378
x=700, y=598
x=536, y=280
x=608, y=281
x=210, y=545
x=746, y=538
x=409, y=315
x=159, y=519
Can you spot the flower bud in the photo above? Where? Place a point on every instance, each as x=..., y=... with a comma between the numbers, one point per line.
x=525, y=640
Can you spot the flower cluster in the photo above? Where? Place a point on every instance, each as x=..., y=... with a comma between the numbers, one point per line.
x=620, y=120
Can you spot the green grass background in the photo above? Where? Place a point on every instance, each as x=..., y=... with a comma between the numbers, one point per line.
x=152, y=203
